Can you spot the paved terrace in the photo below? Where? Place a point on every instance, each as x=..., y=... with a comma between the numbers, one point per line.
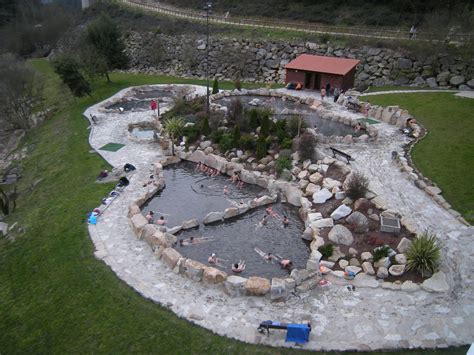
x=366, y=319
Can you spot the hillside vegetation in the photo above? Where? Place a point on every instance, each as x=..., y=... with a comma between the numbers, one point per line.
x=392, y=13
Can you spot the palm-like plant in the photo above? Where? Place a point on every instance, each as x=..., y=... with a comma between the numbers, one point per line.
x=424, y=254
x=174, y=128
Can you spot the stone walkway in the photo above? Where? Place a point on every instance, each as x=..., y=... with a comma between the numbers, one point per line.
x=366, y=319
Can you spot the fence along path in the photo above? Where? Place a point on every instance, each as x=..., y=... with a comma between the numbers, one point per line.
x=295, y=26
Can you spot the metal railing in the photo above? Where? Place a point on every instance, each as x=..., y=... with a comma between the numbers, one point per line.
x=297, y=26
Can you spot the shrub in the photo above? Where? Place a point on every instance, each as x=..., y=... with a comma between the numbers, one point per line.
x=204, y=126
x=215, y=86
x=191, y=133
x=287, y=143
x=283, y=162
x=216, y=136
x=253, y=118
x=235, y=111
x=295, y=125
x=261, y=147
x=236, y=136
x=357, y=186
x=225, y=143
x=247, y=142
x=306, y=146
x=381, y=252
x=279, y=128
x=265, y=125
x=424, y=254
x=326, y=250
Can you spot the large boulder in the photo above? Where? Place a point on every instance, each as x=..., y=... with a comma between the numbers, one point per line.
x=336, y=254
x=315, y=178
x=133, y=209
x=436, y=283
x=358, y=220
x=396, y=270
x=257, y=286
x=311, y=189
x=138, y=222
x=293, y=195
x=278, y=291
x=382, y=272
x=231, y=212
x=213, y=217
x=165, y=240
x=404, y=245
x=341, y=212
x=234, y=285
x=368, y=268
x=213, y=276
x=170, y=257
x=329, y=183
x=322, y=223
x=299, y=275
x=194, y=269
x=322, y=196
x=192, y=223
x=148, y=231
x=363, y=280
x=340, y=235
x=457, y=80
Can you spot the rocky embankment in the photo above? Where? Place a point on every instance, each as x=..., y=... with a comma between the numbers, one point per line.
x=264, y=61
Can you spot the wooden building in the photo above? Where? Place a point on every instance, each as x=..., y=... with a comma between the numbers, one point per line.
x=315, y=71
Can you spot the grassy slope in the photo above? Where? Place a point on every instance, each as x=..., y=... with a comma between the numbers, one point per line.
x=446, y=155
x=54, y=296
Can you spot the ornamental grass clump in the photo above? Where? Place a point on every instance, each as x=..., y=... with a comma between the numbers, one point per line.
x=424, y=254
x=357, y=186
x=381, y=252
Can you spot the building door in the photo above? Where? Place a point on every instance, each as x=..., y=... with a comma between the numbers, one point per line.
x=317, y=81
x=308, y=80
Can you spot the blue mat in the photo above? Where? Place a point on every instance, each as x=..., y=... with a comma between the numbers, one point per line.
x=297, y=333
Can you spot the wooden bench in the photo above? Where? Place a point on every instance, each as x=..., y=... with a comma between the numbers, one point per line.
x=338, y=152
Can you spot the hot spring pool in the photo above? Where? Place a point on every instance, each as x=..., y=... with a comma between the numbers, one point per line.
x=192, y=194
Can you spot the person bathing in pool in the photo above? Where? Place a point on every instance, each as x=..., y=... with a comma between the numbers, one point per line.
x=239, y=267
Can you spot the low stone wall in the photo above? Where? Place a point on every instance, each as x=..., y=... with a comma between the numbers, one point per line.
x=300, y=280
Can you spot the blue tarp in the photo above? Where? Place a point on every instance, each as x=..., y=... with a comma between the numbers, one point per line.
x=297, y=333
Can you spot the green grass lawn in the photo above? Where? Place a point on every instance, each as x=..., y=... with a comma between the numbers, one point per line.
x=446, y=155
x=55, y=297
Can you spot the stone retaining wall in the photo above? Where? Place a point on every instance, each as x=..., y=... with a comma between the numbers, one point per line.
x=264, y=61
x=162, y=239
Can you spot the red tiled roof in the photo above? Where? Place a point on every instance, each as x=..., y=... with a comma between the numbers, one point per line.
x=316, y=63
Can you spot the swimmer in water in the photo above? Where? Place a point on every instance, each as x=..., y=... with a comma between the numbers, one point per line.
x=226, y=190
x=285, y=221
x=239, y=267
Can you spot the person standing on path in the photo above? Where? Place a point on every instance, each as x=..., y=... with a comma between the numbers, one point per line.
x=367, y=108
x=412, y=32
x=323, y=93
x=328, y=89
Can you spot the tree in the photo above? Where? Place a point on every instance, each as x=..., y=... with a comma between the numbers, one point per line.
x=236, y=135
x=215, y=87
x=69, y=71
x=21, y=91
x=104, y=35
x=174, y=127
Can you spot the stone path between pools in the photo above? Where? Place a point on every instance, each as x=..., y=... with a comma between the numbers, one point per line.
x=364, y=319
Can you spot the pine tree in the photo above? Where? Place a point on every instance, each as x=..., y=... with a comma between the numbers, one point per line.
x=215, y=87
